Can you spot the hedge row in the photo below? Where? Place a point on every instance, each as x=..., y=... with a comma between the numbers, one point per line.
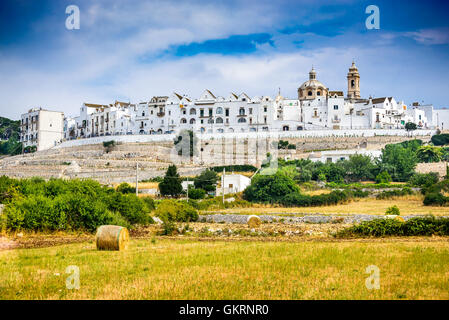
x=297, y=199
x=425, y=226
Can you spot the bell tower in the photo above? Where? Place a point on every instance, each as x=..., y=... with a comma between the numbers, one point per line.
x=353, y=82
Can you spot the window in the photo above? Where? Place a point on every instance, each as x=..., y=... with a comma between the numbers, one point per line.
x=219, y=110
x=192, y=112
x=242, y=112
x=210, y=112
x=319, y=93
x=309, y=93
x=352, y=83
x=264, y=109
x=335, y=107
x=183, y=120
x=219, y=120
x=285, y=128
x=250, y=110
x=242, y=120
x=192, y=121
x=227, y=112
x=202, y=130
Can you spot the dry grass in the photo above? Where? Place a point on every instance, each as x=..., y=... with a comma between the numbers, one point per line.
x=230, y=270
x=409, y=205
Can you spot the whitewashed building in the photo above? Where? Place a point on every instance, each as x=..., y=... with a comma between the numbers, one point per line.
x=233, y=183
x=41, y=128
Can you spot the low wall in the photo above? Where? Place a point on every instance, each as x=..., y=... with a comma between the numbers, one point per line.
x=249, y=135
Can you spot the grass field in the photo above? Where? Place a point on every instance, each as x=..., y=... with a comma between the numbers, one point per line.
x=408, y=205
x=185, y=269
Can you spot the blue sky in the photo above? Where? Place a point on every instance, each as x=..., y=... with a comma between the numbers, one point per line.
x=132, y=50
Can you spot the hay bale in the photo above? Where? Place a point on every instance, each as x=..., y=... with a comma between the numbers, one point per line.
x=253, y=221
x=112, y=238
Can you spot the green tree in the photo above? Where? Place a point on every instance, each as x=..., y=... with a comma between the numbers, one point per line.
x=171, y=185
x=269, y=188
x=410, y=126
x=429, y=154
x=359, y=167
x=398, y=161
x=207, y=180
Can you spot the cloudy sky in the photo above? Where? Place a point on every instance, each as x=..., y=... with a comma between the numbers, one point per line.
x=131, y=50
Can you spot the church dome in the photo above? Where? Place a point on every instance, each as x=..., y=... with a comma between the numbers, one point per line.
x=312, y=88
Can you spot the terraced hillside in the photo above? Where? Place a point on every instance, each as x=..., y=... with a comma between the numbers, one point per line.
x=119, y=164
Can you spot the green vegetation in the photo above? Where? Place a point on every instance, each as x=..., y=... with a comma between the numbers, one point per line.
x=394, y=210
x=440, y=139
x=429, y=154
x=10, y=137
x=59, y=205
x=207, y=181
x=171, y=184
x=196, y=194
x=125, y=188
x=109, y=145
x=383, y=177
x=426, y=226
x=390, y=194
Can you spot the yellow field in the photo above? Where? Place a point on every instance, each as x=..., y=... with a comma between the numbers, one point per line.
x=408, y=205
x=177, y=269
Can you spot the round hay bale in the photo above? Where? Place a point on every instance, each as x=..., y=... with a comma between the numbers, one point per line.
x=253, y=221
x=112, y=238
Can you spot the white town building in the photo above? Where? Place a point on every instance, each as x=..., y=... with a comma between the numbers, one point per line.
x=41, y=128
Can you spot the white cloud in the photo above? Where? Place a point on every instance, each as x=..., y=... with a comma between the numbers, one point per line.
x=430, y=36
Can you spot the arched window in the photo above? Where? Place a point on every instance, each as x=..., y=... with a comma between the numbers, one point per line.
x=183, y=120
x=352, y=83
x=252, y=129
x=220, y=130
x=210, y=120
x=309, y=93
x=192, y=111
x=242, y=111
x=319, y=93
x=219, y=110
x=219, y=120
x=202, y=130
x=231, y=130
x=192, y=121
x=241, y=120
x=285, y=128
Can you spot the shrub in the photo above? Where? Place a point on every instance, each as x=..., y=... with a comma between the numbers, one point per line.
x=125, y=188
x=130, y=207
x=383, y=177
x=179, y=211
x=394, y=210
x=390, y=194
x=236, y=167
x=435, y=199
x=440, y=139
x=420, y=226
x=149, y=202
x=196, y=193
x=207, y=180
x=424, y=180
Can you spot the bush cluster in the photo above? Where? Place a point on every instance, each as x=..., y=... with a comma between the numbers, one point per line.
x=296, y=199
x=236, y=168
x=176, y=211
x=390, y=194
x=34, y=204
x=420, y=226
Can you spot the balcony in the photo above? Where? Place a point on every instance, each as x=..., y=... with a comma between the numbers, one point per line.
x=160, y=114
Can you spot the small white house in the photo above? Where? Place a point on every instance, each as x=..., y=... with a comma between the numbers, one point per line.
x=186, y=184
x=234, y=183
x=336, y=155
